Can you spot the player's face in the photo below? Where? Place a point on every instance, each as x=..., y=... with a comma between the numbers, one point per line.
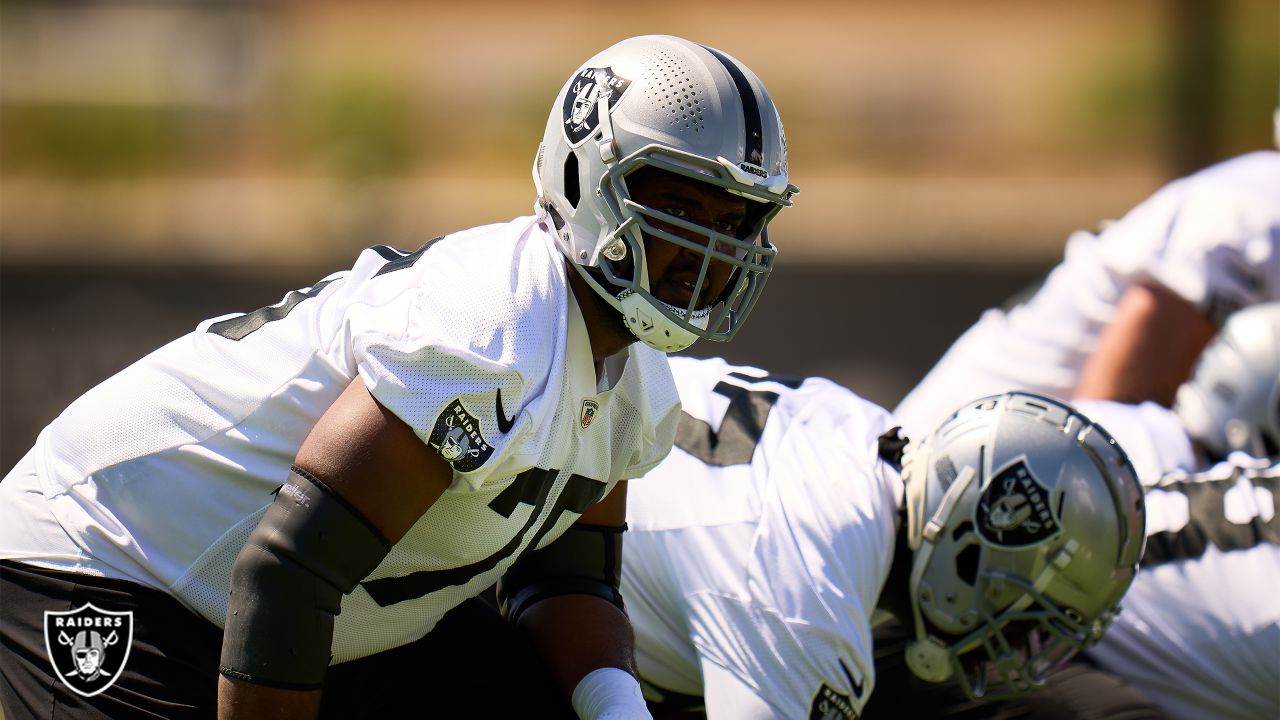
x=673, y=270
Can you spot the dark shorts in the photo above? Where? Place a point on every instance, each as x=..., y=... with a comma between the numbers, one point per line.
x=472, y=664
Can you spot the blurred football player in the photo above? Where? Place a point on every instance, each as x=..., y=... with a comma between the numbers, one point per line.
x=1127, y=312
x=320, y=481
x=1004, y=545
x=1199, y=631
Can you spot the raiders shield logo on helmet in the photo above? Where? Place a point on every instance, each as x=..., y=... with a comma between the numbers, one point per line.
x=1015, y=509
x=88, y=646
x=589, y=88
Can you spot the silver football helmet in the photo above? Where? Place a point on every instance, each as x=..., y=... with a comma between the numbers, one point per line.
x=1232, y=401
x=663, y=102
x=1027, y=523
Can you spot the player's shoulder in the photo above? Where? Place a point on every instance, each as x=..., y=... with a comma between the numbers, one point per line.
x=1233, y=197
x=709, y=386
x=1261, y=168
x=696, y=376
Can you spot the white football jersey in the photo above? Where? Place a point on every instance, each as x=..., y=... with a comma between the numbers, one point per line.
x=1199, y=629
x=159, y=474
x=758, y=549
x=1212, y=237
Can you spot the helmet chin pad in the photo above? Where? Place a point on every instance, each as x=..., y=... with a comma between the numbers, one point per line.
x=652, y=326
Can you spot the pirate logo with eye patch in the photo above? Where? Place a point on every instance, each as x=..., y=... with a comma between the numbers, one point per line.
x=588, y=89
x=1015, y=508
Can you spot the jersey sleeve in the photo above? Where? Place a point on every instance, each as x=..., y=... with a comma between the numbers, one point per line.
x=463, y=351
x=1212, y=238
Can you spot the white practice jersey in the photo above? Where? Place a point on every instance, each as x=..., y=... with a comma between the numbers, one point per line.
x=758, y=549
x=1199, y=629
x=159, y=474
x=1212, y=237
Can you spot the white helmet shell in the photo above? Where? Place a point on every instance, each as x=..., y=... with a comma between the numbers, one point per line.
x=664, y=102
x=1232, y=401
x=1027, y=524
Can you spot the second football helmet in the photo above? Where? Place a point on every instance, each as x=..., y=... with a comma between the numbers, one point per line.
x=663, y=102
x=1232, y=401
x=1027, y=523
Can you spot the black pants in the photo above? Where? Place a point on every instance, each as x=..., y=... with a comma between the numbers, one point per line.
x=473, y=664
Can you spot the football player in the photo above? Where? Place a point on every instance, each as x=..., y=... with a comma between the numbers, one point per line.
x=1004, y=545
x=1127, y=312
x=293, y=498
x=1198, y=634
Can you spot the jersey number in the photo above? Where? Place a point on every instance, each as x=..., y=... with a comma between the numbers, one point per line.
x=742, y=426
x=1208, y=523
x=240, y=327
x=531, y=487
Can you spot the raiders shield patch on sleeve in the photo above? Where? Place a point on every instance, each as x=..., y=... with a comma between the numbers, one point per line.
x=828, y=704
x=456, y=436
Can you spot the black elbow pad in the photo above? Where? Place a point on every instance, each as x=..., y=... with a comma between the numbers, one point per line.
x=309, y=549
x=586, y=559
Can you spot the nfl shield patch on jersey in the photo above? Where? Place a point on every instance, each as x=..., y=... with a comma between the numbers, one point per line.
x=589, y=408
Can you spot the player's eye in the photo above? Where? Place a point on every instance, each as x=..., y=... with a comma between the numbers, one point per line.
x=677, y=212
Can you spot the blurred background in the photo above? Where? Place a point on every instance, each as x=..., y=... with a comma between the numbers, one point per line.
x=163, y=162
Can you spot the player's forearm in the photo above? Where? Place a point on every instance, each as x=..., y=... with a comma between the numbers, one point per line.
x=238, y=699
x=577, y=634
x=1147, y=350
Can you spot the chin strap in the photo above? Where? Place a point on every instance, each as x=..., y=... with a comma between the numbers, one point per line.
x=926, y=656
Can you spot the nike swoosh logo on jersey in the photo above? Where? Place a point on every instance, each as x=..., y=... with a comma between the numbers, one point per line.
x=504, y=425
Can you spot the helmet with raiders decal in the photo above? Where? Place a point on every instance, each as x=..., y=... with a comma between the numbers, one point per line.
x=657, y=106
x=1232, y=401
x=1026, y=522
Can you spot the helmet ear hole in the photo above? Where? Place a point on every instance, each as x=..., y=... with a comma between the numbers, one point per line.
x=572, y=192
x=967, y=564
